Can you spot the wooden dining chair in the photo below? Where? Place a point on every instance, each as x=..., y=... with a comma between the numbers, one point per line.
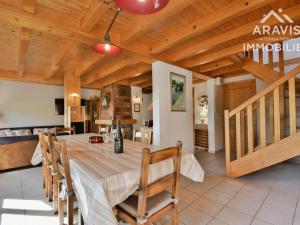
x=46, y=142
x=64, y=179
x=64, y=130
x=45, y=163
x=157, y=198
x=143, y=136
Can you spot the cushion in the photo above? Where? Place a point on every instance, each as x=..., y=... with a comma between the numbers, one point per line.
x=9, y=133
x=23, y=132
x=3, y=133
x=154, y=204
x=37, y=130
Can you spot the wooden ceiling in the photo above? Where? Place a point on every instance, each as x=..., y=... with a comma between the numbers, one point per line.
x=41, y=40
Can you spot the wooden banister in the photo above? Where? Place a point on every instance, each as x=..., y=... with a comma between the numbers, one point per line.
x=270, y=88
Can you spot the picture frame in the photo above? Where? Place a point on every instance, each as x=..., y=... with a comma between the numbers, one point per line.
x=137, y=107
x=177, y=92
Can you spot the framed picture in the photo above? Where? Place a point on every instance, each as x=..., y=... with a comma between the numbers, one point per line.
x=178, y=92
x=137, y=107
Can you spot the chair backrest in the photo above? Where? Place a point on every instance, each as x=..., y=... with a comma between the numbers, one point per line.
x=69, y=130
x=144, y=136
x=46, y=144
x=169, y=182
x=62, y=163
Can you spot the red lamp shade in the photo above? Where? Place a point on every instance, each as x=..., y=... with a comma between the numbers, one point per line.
x=107, y=49
x=141, y=7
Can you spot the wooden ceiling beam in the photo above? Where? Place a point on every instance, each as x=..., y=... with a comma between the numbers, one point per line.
x=225, y=70
x=51, y=21
x=198, y=47
x=93, y=15
x=149, y=22
x=140, y=79
x=146, y=84
x=108, y=68
x=201, y=76
x=25, y=37
x=213, y=66
x=126, y=73
x=260, y=71
x=88, y=64
x=29, y=6
x=222, y=15
x=60, y=56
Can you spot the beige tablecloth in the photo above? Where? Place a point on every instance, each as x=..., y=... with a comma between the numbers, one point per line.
x=103, y=179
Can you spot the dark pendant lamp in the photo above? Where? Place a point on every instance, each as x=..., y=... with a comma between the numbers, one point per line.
x=141, y=7
x=107, y=48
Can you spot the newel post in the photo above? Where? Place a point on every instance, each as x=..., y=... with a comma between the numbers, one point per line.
x=227, y=141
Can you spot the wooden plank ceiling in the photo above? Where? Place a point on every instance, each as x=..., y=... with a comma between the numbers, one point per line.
x=40, y=40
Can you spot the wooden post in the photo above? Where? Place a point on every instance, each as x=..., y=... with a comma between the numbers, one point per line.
x=250, y=129
x=277, y=129
x=227, y=142
x=238, y=135
x=281, y=92
x=71, y=92
x=262, y=110
x=261, y=56
x=292, y=106
x=271, y=100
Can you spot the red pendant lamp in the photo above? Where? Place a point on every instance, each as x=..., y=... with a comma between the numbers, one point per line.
x=142, y=7
x=107, y=48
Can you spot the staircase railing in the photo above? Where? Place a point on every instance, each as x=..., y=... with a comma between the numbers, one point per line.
x=244, y=134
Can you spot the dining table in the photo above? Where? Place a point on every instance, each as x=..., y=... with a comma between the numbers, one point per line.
x=103, y=179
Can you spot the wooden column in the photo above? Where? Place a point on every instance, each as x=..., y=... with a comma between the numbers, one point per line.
x=271, y=100
x=71, y=91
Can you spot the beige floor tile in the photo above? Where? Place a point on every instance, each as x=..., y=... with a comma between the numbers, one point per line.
x=184, y=182
x=216, y=222
x=259, y=222
x=218, y=196
x=245, y=205
x=296, y=221
x=275, y=216
x=229, y=186
x=233, y=217
x=187, y=196
x=199, y=188
x=207, y=206
x=191, y=216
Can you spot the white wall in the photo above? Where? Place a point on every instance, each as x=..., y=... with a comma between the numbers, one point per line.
x=147, y=113
x=136, y=97
x=29, y=104
x=170, y=127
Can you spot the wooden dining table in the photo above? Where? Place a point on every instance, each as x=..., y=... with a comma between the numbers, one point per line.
x=102, y=179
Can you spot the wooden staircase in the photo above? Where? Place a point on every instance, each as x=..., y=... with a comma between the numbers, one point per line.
x=264, y=128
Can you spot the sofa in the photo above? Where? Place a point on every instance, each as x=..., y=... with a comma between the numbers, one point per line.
x=17, y=146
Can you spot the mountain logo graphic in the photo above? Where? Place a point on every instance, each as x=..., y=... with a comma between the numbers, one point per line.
x=280, y=16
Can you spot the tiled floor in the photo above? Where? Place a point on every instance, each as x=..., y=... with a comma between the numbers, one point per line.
x=267, y=197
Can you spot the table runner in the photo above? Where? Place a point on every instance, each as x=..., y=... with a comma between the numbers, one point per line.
x=102, y=179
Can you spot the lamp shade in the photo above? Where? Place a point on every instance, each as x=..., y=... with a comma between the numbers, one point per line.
x=107, y=49
x=141, y=7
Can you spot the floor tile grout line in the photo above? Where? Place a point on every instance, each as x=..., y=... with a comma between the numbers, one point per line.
x=295, y=210
x=265, y=199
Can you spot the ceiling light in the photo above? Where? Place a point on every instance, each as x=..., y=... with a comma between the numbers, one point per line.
x=141, y=7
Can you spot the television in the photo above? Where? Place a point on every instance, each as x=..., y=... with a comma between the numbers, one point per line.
x=60, y=105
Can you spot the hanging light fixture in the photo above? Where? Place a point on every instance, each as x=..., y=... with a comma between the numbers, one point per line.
x=141, y=7
x=107, y=48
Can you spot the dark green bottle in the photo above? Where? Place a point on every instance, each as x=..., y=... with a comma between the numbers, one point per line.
x=118, y=139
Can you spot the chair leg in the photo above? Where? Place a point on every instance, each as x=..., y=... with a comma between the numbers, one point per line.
x=70, y=209
x=60, y=211
x=55, y=193
x=80, y=218
x=175, y=215
x=46, y=178
x=50, y=186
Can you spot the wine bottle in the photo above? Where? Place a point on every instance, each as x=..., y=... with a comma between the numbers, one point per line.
x=118, y=139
